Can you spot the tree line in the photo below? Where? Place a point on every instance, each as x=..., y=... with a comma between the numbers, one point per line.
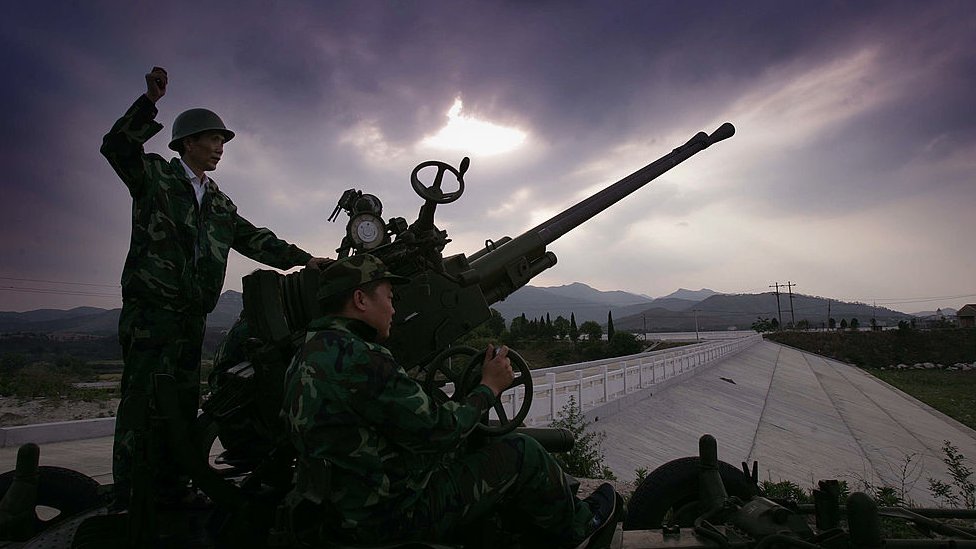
x=561, y=339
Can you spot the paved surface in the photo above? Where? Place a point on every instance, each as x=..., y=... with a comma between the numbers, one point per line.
x=803, y=417
x=92, y=457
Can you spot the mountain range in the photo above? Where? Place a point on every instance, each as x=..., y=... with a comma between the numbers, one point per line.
x=677, y=311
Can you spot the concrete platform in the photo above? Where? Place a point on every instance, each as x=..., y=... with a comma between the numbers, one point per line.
x=92, y=457
x=802, y=416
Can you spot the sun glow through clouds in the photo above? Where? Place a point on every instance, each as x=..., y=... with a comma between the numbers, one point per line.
x=474, y=136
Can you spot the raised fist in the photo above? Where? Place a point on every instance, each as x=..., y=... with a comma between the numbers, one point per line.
x=156, y=81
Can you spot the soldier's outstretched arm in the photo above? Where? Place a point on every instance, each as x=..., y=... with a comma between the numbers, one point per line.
x=122, y=146
x=262, y=245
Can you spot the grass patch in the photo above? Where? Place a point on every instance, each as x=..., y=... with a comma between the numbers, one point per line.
x=951, y=392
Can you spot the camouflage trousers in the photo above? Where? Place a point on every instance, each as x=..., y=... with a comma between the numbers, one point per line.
x=513, y=477
x=153, y=341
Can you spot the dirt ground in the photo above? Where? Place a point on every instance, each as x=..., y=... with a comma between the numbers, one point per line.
x=588, y=485
x=18, y=411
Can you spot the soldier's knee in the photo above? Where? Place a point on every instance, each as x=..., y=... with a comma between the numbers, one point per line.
x=527, y=447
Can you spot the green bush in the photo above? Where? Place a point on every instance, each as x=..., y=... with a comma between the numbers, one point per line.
x=784, y=490
x=961, y=490
x=560, y=354
x=11, y=362
x=586, y=458
x=591, y=350
x=35, y=380
x=40, y=379
x=623, y=344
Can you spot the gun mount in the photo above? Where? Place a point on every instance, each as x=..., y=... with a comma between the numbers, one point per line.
x=446, y=298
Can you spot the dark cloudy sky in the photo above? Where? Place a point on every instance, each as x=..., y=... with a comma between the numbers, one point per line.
x=851, y=174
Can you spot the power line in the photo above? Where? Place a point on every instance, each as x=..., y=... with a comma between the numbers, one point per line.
x=779, y=312
x=922, y=299
x=60, y=282
x=54, y=291
x=789, y=287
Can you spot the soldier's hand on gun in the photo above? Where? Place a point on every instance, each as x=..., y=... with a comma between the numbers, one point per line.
x=320, y=263
x=156, y=81
x=497, y=373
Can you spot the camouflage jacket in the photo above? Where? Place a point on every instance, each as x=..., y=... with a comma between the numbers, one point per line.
x=178, y=249
x=347, y=402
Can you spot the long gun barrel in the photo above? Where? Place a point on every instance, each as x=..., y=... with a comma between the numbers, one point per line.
x=508, y=264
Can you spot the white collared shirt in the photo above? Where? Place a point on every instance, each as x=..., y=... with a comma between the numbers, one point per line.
x=199, y=186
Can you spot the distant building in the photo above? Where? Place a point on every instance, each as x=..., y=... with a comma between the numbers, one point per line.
x=967, y=316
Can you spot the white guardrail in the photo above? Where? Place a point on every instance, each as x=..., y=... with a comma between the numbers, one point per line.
x=595, y=386
x=601, y=382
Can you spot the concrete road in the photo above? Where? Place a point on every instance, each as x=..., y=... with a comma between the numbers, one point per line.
x=802, y=416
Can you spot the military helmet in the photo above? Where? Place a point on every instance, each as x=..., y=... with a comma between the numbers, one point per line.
x=195, y=121
x=351, y=272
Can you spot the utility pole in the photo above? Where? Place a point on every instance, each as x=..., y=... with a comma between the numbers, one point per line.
x=696, y=325
x=789, y=286
x=779, y=312
x=828, y=314
x=644, y=316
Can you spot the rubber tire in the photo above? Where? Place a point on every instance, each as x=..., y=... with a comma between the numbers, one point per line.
x=66, y=490
x=675, y=485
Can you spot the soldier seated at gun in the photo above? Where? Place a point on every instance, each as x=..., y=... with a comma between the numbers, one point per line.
x=383, y=462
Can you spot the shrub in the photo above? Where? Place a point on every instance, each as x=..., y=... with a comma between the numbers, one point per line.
x=784, y=490
x=561, y=354
x=623, y=344
x=961, y=489
x=36, y=380
x=586, y=457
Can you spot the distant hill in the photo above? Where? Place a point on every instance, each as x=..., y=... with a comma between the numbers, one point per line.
x=591, y=304
x=104, y=322
x=578, y=290
x=691, y=295
x=83, y=320
x=228, y=308
x=673, y=312
x=674, y=303
x=946, y=312
x=584, y=302
x=8, y=319
x=739, y=311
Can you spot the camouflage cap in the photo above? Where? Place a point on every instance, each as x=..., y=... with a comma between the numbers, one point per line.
x=352, y=272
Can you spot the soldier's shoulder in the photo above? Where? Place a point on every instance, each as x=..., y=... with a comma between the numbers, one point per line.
x=376, y=348
x=352, y=349
x=334, y=339
x=220, y=198
x=163, y=168
x=157, y=159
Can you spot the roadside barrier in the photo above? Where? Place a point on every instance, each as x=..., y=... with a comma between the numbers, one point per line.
x=601, y=386
x=598, y=387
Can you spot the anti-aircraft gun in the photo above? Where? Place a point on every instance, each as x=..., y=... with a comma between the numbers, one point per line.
x=446, y=298
x=450, y=296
